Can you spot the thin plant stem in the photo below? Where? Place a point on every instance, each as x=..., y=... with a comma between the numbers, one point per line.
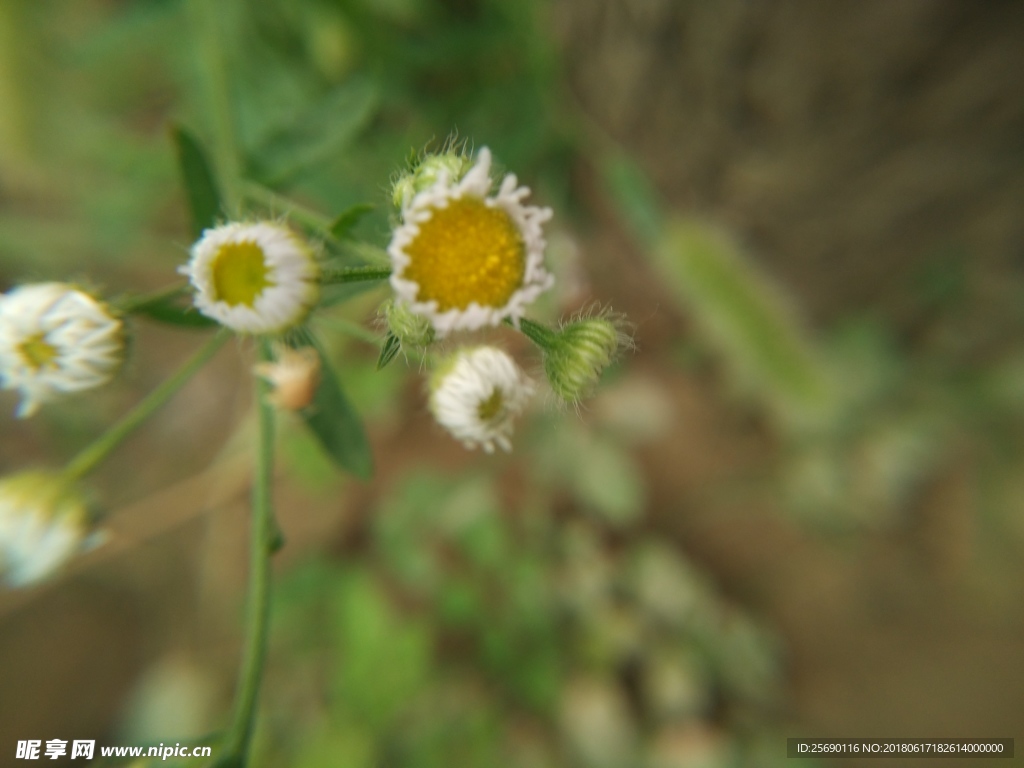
x=348, y=327
x=263, y=541
x=539, y=334
x=130, y=303
x=353, y=275
x=91, y=456
x=282, y=205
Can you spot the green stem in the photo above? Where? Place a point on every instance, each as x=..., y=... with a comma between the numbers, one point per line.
x=353, y=275
x=539, y=334
x=348, y=327
x=263, y=541
x=129, y=304
x=89, y=457
x=279, y=204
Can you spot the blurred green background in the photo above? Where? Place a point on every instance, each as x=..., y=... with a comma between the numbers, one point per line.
x=794, y=510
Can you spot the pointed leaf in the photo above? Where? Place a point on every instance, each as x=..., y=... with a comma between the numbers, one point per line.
x=635, y=196
x=332, y=418
x=172, y=312
x=746, y=316
x=200, y=183
x=317, y=135
x=388, y=351
x=347, y=219
x=332, y=295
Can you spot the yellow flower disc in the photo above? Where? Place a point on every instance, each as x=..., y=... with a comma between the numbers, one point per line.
x=36, y=352
x=488, y=409
x=466, y=252
x=239, y=273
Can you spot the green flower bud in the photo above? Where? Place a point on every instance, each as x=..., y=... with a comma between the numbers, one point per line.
x=427, y=172
x=412, y=330
x=577, y=355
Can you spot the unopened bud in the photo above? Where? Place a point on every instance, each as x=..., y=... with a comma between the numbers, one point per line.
x=43, y=524
x=452, y=164
x=575, y=358
x=412, y=330
x=295, y=376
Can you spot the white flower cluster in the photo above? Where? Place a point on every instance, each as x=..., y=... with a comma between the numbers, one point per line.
x=463, y=259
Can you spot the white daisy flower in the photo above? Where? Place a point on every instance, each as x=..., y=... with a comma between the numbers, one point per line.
x=42, y=525
x=56, y=340
x=465, y=259
x=253, y=278
x=477, y=394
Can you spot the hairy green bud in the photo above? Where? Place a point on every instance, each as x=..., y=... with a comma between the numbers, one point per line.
x=426, y=173
x=578, y=354
x=412, y=330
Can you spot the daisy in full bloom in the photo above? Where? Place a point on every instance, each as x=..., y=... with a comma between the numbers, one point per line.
x=56, y=340
x=255, y=277
x=477, y=394
x=464, y=258
x=42, y=525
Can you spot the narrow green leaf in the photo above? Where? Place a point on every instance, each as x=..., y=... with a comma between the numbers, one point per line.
x=745, y=316
x=200, y=184
x=388, y=351
x=347, y=219
x=320, y=133
x=635, y=196
x=171, y=311
x=333, y=295
x=332, y=418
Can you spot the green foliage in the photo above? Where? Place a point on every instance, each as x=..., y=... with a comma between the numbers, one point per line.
x=386, y=657
x=635, y=197
x=388, y=350
x=746, y=319
x=332, y=419
x=462, y=632
x=324, y=130
x=596, y=469
x=201, y=190
x=345, y=221
x=174, y=310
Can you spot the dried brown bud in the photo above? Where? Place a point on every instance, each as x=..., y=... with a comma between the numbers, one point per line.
x=295, y=376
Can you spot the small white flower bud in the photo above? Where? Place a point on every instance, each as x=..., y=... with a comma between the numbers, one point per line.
x=295, y=376
x=450, y=166
x=42, y=525
x=56, y=340
x=412, y=330
x=477, y=394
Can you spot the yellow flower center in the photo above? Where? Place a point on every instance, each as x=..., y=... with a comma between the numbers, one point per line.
x=239, y=273
x=467, y=252
x=490, y=408
x=37, y=352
